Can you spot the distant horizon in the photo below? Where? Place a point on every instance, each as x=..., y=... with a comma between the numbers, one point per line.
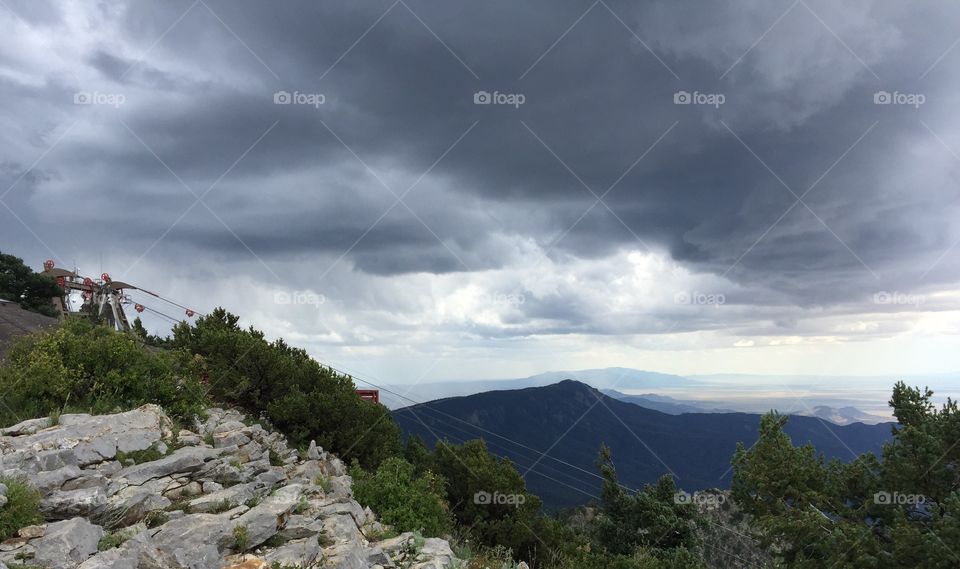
x=893, y=377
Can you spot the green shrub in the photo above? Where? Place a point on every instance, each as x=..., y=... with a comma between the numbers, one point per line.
x=139, y=456
x=402, y=499
x=22, y=509
x=299, y=397
x=275, y=459
x=82, y=365
x=221, y=507
x=302, y=506
x=155, y=519
x=241, y=538
x=112, y=539
x=324, y=482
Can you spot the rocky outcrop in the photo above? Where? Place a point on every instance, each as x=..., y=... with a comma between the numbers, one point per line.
x=125, y=491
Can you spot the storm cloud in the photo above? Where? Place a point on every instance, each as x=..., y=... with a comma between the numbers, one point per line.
x=462, y=174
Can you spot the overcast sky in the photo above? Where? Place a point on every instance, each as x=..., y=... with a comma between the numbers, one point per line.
x=418, y=191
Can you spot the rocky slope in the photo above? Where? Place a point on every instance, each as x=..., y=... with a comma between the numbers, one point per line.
x=124, y=491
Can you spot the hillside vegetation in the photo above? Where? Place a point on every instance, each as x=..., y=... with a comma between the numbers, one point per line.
x=788, y=505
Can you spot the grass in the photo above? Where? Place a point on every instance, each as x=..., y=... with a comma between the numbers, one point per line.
x=302, y=505
x=275, y=459
x=241, y=538
x=156, y=519
x=182, y=504
x=415, y=544
x=324, y=540
x=22, y=509
x=386, y=533
x=276, y=540
x=324, y=482
x=140, y=456
x=221, y=507
x=255, y=501
x=111, y=540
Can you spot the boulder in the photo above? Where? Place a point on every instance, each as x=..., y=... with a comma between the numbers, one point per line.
x=48, y=481
x=62, y=504
x=228, y=438
x=66, y=544
x=87, y=479
x=195, y=532
x=271, y=515
x=438, y=552
x=229, y=497
x=346, y=555
x=54, y=459
x=301, y=553
x=128, y=511
x=245, y=561
x=96, y=450
x=184, y=460
x=313, y=453
x=32, y=532
x=28, y=427
x=223, y=473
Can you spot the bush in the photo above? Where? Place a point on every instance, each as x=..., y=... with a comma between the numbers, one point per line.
x=241, y=538
x=300, y=398
x=112, y=539
x=22, y=509
x=402, y=499
x=80, y=365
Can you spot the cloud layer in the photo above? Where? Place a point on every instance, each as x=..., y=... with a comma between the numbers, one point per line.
x=676, y=177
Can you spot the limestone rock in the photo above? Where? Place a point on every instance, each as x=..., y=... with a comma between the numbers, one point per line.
x=27, y=427
x=51, y=480
x=229, y=497
x=271, y=515
x=32, y=532
x=313, y=453
x=288, y=519
x=61, y=505
x=68, y=543
x=187, y=459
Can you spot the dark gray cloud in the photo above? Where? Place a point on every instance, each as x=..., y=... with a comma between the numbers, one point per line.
x=491, y=187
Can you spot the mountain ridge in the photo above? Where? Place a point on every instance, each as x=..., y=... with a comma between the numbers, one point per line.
x=569, y=420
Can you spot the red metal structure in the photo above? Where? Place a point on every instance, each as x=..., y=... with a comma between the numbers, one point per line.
x=369, y=395
x=104, y=298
